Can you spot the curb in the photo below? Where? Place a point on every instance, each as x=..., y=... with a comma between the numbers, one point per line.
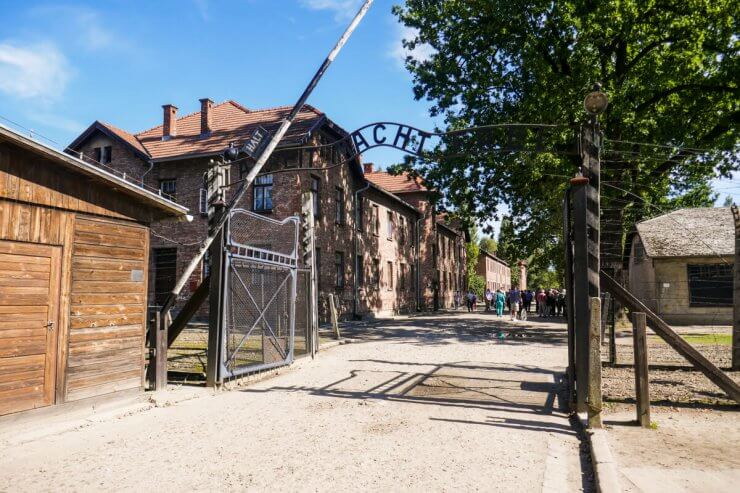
x=604, y=465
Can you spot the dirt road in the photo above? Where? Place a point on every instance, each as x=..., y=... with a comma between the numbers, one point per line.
x=425, y=404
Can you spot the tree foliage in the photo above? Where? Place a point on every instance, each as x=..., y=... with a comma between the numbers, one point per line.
x=669, y=68
x=488, y=244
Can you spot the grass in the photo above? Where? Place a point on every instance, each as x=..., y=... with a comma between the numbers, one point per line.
x=709, y=339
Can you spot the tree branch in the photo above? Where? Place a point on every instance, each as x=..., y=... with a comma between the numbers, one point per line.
x=682, y=87
x=720, y=128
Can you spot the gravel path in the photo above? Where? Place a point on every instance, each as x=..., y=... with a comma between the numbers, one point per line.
x=425, y=404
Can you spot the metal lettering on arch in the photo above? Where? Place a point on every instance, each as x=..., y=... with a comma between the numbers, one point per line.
x=504, y=137
x=389, y=134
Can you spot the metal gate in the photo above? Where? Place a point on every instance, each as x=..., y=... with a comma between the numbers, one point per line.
x=260, y=286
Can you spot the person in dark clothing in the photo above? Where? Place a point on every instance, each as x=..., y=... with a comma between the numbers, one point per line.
x=528, y=296
x=551, y=302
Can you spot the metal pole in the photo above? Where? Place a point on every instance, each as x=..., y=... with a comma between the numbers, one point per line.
x=265, y=155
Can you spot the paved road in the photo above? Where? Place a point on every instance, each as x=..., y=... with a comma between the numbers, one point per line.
x=427, y=404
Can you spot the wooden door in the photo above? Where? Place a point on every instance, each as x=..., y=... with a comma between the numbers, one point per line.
x=29, y=314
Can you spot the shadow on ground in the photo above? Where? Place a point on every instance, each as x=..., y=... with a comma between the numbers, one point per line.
x=453, y=328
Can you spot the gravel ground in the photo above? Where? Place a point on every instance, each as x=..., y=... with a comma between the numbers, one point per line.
x=424, y=404
x=672, y=379
x=690, y=449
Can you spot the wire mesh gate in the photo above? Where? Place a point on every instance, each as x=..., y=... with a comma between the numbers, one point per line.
x=260, y=293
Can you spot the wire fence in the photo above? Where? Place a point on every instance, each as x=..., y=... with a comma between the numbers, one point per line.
x=693, y=295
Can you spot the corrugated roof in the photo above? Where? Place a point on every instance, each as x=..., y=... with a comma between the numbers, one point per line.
x=402, y=183
x=698, y=232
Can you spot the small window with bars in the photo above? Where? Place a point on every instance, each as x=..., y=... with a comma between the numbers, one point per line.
x=710, y=285
x=168, y=188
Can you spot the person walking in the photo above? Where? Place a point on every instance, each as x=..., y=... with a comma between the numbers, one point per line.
x=500, y=301
x=540, y=297
x=528, y=296
x=515, y=297
x=469, y=301
x=489, y=299
x=458, y=299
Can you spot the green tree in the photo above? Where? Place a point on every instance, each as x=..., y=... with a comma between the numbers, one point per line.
x=488, y=244
x=667, y=67
x=475, y=282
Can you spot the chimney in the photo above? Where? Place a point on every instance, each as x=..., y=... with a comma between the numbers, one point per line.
x=206, y=118
x=169, y=122
x=368, y=168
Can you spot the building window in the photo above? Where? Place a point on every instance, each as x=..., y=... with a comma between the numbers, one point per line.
x=318, y=268
x=339, y=269
x=168, y=188
x=389, y=281
x=376, y=272
x=315, y=196
x=710, y=285
x=401, y=230
x=103, y=155
x=376, y=221
x=360, y=270
x=339, y=205
x=389, y=226
x=402, y=277
x=413, y=277
x=262, y=193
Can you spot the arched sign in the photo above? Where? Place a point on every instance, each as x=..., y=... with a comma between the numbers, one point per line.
x=389, y=134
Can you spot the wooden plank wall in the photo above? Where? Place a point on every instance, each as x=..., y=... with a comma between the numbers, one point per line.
x=29, y=178
x=107, y=308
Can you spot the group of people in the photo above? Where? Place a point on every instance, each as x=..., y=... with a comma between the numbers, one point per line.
x=548, y=302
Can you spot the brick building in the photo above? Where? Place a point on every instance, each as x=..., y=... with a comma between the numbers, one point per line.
x=441, y=242
x=495, y=272
x=374, y=245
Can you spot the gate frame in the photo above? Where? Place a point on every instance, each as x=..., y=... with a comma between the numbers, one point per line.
x=216, y=362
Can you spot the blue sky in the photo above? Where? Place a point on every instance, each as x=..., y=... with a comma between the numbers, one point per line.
x=64, y=65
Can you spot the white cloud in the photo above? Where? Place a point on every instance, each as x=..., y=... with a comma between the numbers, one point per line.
x=343, y=9
x=421, y=52
x=34, y=71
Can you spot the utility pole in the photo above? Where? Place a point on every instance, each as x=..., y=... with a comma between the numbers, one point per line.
x=308, y=242
x=216, y=179
x=586, y=262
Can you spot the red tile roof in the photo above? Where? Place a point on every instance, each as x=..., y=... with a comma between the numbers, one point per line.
x=230, y=123
x=125, y=136
x=402, y=183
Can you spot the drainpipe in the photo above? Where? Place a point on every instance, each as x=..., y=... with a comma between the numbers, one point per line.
x=356, y=287
x=151, y=166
